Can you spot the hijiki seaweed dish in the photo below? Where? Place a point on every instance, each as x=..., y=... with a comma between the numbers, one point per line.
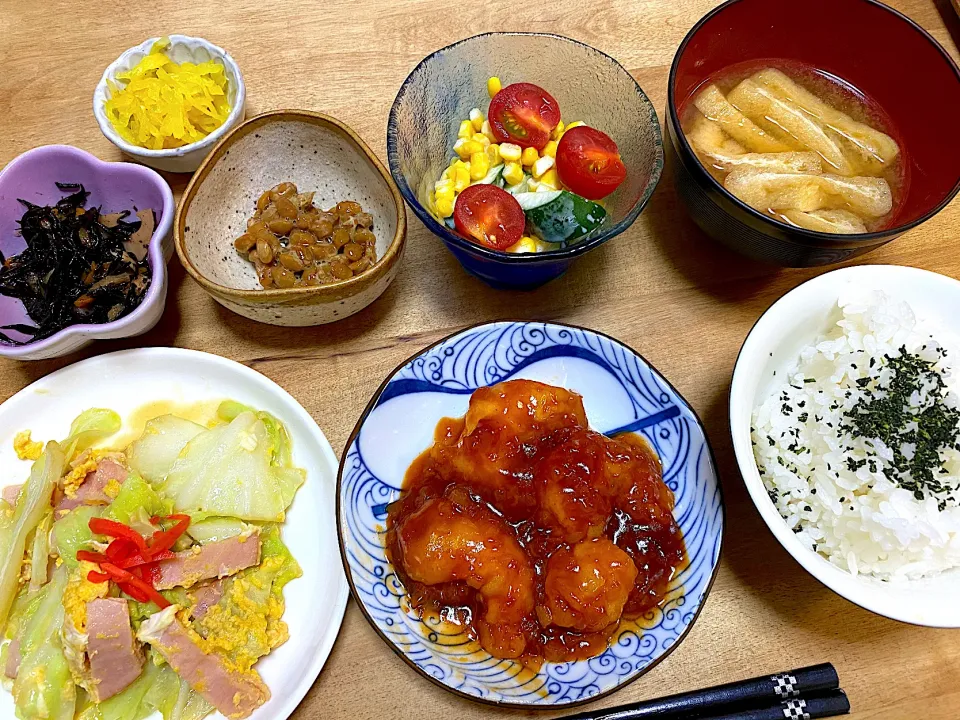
x=79, y=266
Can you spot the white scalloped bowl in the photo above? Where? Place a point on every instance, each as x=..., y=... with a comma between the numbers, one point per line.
x=183, y=48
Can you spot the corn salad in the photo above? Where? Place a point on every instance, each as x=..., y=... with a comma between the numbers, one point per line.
x=477, y=151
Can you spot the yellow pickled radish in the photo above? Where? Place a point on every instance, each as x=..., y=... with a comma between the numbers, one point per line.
x=161, y=104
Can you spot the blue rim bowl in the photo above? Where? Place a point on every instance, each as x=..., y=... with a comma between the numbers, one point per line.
x=621, y=393
x=589, y=86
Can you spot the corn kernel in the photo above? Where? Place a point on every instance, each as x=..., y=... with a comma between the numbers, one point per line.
x=529, y=156
x=445, y=207
x=510, y=152
x=486, y=130
x=476, y=117
x=493, y=154
x=542, y=165
x=512, y=172
x=441, y=186
x=494, y=86
x=557, y=131
x=543, y=187
x=479, y=165
x=550, y=179
x=462, y=177
x=466, y=148
x=466, y=130
x=523, y=245
x=480, y=138
x=572, y=125
x=550, y=149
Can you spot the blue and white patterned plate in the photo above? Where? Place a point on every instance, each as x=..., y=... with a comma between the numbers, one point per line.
x=621, y=392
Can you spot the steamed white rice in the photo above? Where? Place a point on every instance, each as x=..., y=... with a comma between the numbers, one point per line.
x=858, y=519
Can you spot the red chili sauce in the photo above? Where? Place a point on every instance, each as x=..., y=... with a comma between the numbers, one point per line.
x=532, y=532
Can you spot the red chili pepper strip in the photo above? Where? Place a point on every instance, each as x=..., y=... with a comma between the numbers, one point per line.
x=92, y=557
x=102, y=526
x=96, y=577
x=122, y=577
x=133, y=592
x=165, y=539
x=137, y=560
x=120, y=549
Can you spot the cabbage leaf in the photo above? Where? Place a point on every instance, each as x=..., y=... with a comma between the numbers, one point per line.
x=137, y=499
x=214, y=529
x=18, y=523
x=228, y=471
x=173, y=697
x=164, y=437
x=90, y=427
x=72, y=533
x=44, y=687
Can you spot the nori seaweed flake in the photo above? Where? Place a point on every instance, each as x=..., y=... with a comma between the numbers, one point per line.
x=75, y=269
x=884, y=413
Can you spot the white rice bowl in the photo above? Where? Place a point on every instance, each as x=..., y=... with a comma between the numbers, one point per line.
x=829, y=487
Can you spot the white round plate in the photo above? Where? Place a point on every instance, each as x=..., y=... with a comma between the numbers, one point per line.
x=125, y=381
x=791, y=323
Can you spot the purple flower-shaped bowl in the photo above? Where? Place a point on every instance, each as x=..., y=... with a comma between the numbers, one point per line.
x=113, y=186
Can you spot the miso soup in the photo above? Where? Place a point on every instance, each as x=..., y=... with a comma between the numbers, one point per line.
x=798, y=144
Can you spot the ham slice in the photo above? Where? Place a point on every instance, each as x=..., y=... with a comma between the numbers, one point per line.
x=11, y=493
x=91, y=492
x=204, y=562
x=13, y=659
x=204, y=597
x=115, y=660
x=234, y=694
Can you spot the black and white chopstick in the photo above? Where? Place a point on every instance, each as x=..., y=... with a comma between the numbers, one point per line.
x=826, y=705
x=807, y=693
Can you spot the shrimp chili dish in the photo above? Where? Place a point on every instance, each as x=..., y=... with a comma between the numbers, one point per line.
x=532, y=532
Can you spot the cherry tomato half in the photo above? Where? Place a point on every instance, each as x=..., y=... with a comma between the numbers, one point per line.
x=524, y=114
x=588, y=162
x=489, y=216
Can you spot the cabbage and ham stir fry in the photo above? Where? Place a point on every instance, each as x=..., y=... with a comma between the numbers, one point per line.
x=148, y=579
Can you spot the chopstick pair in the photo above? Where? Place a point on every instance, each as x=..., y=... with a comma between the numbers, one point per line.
x=804, y=694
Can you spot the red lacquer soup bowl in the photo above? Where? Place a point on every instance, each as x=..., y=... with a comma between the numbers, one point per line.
x=884, y=54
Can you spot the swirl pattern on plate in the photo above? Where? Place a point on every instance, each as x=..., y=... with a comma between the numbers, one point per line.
x=622, y=392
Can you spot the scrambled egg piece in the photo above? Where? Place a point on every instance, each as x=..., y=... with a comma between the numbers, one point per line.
x=112, y=489
x=26, y=447
x=241, y=628
x=85, y=463
x=79, y=592
x=74, y=479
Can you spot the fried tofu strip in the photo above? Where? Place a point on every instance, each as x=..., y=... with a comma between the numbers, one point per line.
x=715, y=107
x=871, y=148
x=766, y=109
x=763, y=190
x=840, y=222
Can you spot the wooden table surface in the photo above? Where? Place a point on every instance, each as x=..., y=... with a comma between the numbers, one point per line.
x=662, y=287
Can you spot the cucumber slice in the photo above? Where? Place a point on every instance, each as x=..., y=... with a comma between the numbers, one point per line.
x=520, y=188
x=494, y=177
x=531, y=200
x=560, y=216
